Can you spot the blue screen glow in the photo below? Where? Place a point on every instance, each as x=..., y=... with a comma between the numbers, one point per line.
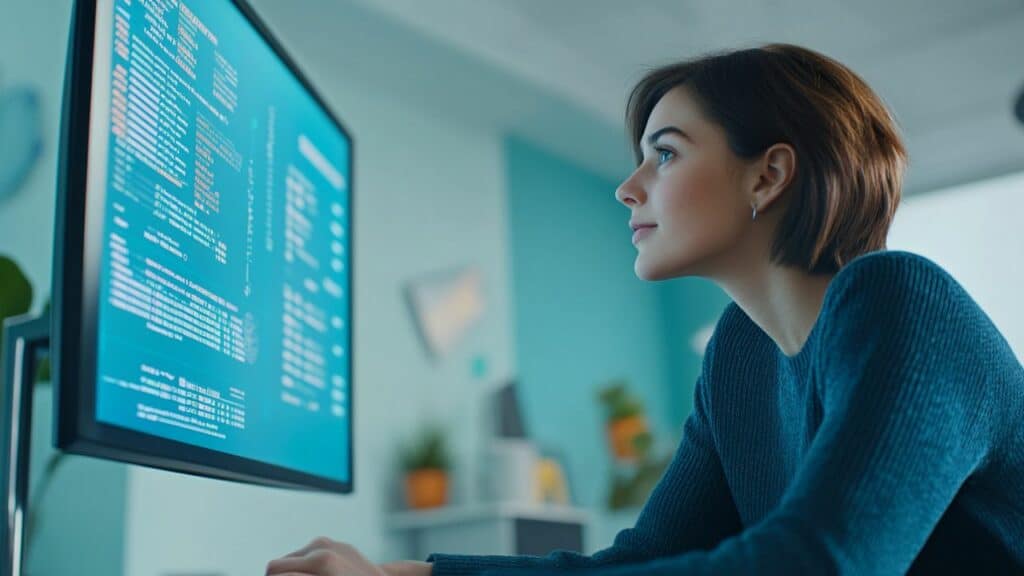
x=223, y=319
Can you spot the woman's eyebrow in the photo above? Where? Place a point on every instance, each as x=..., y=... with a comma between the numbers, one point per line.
x=667, y=130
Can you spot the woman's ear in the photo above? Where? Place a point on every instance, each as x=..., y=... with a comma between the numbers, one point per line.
x=773, y=172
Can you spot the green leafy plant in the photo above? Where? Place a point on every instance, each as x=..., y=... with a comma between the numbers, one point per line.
x=429, y=450
x=618, y=402
x=15, y=291
x=631, y=490
x=16, y=299
x=630, y=484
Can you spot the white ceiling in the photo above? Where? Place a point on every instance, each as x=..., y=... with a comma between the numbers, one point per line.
x=949, y=69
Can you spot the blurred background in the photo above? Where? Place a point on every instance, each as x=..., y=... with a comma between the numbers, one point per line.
x=489, y=143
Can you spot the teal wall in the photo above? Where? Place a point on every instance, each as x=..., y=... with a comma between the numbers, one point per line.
x=582, y=317
x=430, y=190
x=687, y=305
x=585, y=317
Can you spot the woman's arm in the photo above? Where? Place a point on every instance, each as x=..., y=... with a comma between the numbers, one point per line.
x=689, y=509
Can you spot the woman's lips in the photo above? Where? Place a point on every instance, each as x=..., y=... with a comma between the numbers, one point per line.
x=642, y=232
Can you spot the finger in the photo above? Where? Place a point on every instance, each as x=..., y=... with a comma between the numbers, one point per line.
x=288, y=565
x=317, y=543
x=320, y=562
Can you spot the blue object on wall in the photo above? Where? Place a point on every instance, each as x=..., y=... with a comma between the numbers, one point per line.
x=21, y=139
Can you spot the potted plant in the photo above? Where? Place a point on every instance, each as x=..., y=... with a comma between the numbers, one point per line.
x=16, y=299
x=426, y=463
x=630, y=489
x=15, y=291
x=632, y=444
x=625, y=422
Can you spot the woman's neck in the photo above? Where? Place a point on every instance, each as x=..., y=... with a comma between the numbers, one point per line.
x=784, y=302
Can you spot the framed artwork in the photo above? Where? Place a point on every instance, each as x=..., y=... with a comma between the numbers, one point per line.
x=445, y=305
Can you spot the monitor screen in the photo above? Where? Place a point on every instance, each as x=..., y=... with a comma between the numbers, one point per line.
x=204, y=250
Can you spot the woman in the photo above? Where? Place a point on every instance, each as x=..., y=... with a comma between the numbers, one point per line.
x=857, y=413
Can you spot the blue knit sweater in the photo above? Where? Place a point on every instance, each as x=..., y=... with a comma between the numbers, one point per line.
x=893, y=442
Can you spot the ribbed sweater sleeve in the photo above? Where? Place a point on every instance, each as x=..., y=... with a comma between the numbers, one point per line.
x=689, y=509
x=908, y=374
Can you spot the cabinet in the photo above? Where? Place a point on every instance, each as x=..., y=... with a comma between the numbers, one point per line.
x=494, y=528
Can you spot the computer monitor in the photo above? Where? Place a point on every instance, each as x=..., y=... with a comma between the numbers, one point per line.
x=203, y=260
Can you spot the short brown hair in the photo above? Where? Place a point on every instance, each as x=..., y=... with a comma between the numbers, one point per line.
x=850, y=158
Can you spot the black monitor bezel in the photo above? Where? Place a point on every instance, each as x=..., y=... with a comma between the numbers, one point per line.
x=73, y=338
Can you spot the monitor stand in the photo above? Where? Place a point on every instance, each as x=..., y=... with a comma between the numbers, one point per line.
x=25, y=338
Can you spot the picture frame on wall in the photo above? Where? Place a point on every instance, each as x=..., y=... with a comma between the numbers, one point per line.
x=445, y=305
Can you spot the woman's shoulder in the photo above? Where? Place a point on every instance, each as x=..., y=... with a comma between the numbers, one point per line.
x=889, y=289
x=896, y=273
x=876, y=279
x=901, y=296
x=894, y=287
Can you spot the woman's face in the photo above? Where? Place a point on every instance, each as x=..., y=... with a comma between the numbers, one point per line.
x=688, y=193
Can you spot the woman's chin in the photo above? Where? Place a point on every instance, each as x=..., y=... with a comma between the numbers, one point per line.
x=652, y=270
x=649, y=271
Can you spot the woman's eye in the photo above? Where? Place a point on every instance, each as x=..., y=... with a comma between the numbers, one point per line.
x=664, y=155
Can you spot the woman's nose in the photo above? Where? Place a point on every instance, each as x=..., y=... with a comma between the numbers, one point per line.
x=630, y=193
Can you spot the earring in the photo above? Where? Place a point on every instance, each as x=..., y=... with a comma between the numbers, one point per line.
x=754, y=217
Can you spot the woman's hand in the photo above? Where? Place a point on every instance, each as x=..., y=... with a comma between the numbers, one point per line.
x=325, y=557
